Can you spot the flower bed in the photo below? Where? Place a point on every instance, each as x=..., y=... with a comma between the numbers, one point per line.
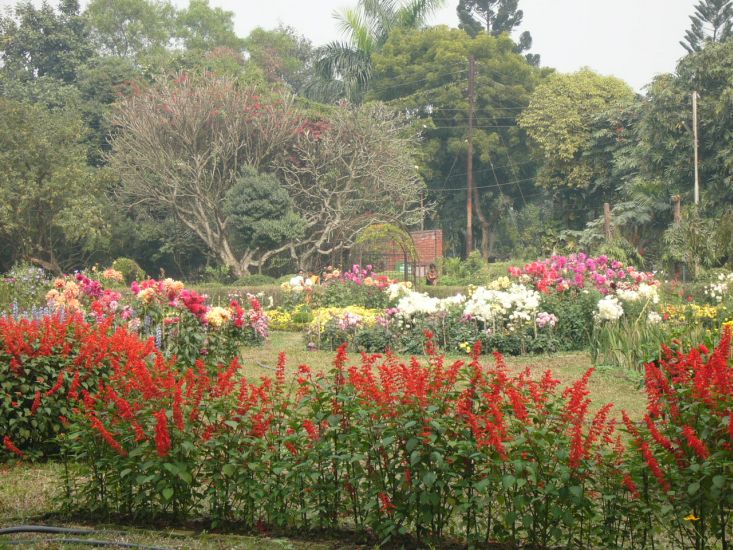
x=426, y=449
x=429, y=450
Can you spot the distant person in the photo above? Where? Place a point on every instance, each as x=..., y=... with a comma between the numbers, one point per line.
x=311, y=280
x=431, y=277
x=298, y=282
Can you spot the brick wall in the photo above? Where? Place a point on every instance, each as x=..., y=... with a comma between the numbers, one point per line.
x=429, y=245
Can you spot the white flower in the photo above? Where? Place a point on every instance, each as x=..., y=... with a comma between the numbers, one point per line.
x=628, y=295
x=653, y=318
x=517, y=304
x=609, y=309
x=415, y=303
x=451, y=301
x=395, y=290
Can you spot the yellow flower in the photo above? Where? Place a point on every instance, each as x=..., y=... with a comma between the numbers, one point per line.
x=502, y=283
x=691, y=517
x=217, y=316
x=172, y=286
x=146, y=295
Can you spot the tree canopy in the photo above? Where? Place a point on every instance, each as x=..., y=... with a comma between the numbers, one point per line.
x=200, y=147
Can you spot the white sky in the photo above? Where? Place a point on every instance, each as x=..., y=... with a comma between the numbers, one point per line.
x=631, y=39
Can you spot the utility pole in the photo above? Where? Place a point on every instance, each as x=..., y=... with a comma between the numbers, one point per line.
x=695, y=97
x=469, y=160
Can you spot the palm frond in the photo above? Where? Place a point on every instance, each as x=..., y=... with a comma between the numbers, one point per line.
x=415, y=13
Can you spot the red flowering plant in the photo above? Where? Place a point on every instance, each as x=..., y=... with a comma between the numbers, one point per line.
x=683, y=449
x=45, y=363
x=390, y=446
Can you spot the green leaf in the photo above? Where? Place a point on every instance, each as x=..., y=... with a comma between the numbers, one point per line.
x=429, y=479
x=719, y=481
x=693, y=488
x=508, y=481
x=167, y=493
x=186, y=477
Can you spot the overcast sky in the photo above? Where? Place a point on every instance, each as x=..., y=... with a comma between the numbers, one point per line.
x=632, y=39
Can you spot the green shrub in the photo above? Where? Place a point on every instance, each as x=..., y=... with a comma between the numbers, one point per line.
x=130, y=269
x=220, y=274
x=255, y=280
x=574, y=311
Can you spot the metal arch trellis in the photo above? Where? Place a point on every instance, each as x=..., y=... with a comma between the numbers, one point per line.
x=388, y=248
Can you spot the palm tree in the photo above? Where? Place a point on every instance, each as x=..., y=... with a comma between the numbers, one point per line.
x=343, y=69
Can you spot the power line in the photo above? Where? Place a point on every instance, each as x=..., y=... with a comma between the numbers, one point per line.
x=489, y=186
x=487, y=169
x=379, y=89
x=460, y=126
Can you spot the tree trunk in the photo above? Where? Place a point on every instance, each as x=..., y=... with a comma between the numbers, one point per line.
x=51, y=266
x=485, y=227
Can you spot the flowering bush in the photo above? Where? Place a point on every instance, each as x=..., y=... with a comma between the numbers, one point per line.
x=47, y=360
x=359, y=287
x=683, y=448
x=394, y=447
x=577, y=271
x=719, y=289
x=505, y=320
x=334, y=326
x=23, y=288
x=185, y=326
x=180, y=320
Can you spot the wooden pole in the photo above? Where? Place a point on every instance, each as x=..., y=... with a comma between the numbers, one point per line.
x=469, y=159
x=695, y=96
x=676, y=199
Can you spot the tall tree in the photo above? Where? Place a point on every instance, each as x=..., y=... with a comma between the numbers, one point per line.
x=42, y=42
x=51, y=203
x=203, y=28
x=344, y=68
x=282, y=54
x=711, y=22
x=495, y=17
x=130, y=28
x=559, y=120
x=424, y=72
x=666, y=132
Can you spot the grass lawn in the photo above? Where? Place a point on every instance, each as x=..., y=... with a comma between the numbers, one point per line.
x=27, y=497
x=607, y=385
x=28, y=492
